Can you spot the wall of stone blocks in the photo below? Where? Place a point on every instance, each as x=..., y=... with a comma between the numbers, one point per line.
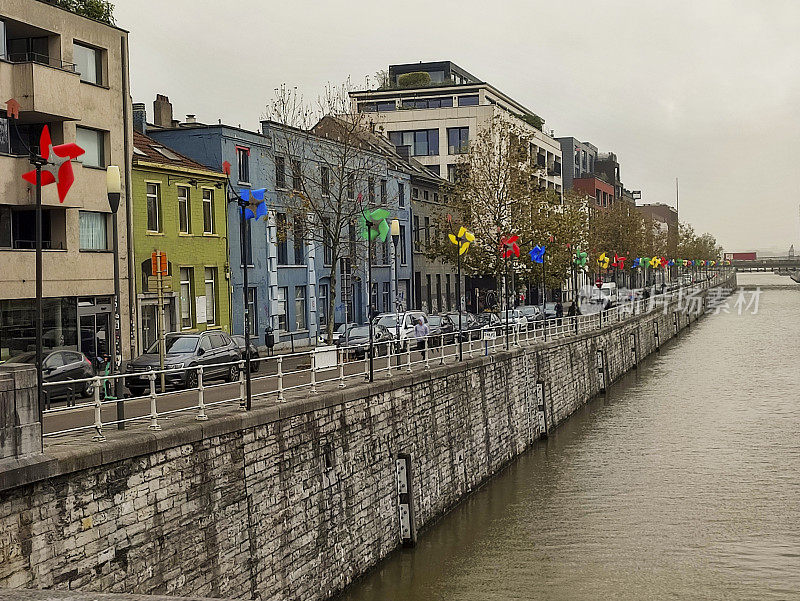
x=298, y=500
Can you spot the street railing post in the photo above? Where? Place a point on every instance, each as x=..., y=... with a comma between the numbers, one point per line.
x=340, y=361
x=280, y=379
x=408, y=358
x=314, y=371
x=469, y=344
x=98, y=419
x=389, y=360
x=366, y=365
x=242, y=392
x=426, y=349
x=153, y=411
x=201, y=414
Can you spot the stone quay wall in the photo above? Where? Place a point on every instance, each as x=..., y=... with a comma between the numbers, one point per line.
x=297, y=500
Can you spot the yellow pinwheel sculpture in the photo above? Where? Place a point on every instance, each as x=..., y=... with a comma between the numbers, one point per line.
x=463, y=240
x=655, y=262
x=603, y=261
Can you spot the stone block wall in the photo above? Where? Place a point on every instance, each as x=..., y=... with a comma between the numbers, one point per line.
x=295, y=501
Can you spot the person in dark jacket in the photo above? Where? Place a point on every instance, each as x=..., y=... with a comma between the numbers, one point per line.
x=559, y=312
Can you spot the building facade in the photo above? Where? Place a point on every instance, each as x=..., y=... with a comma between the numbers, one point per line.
x=663, y=215
x=179, y=209
x=436, y=120
x=70, y=73
x=584, y=156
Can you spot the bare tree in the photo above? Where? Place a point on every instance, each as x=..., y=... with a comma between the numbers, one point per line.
x=331, y=168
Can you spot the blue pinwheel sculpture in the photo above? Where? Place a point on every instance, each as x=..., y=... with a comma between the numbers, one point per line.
x=537, y=254
x=254, y=206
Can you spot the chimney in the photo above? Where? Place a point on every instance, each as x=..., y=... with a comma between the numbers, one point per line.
x=140, y=117
x=162, y=111
x=191, y=119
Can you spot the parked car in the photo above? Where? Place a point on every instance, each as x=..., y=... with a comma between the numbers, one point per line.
x=533, y=313
x=442, y=328
x=516, y=319
x=609, y=290
x=356, y=340
x=254, y=353
x=470, y=328
x=489, y=321
x=211, y=349
x=60, y=366
x=337, y=333
x=549, y=310
x=407, y=321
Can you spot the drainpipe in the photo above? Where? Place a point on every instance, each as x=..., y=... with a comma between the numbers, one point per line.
x=126, y=121
x=411, y=291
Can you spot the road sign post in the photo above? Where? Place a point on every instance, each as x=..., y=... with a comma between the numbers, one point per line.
x=159, y=268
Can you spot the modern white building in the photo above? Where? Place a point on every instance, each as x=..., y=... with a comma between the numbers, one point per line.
x=435, y=108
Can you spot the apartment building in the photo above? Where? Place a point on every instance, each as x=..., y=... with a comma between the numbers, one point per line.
x=70, y=73
x=584, y=156
x=435, y=108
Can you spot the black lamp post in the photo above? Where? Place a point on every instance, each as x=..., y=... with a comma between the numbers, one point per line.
x=38, y=162
x=369, y=225
x=114, y=191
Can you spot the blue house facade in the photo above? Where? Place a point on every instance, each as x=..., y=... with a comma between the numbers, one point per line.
x=288, y=263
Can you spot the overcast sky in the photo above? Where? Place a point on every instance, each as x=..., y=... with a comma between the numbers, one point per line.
x=706, y=91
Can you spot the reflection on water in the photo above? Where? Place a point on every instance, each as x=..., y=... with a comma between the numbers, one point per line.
x=683, y=482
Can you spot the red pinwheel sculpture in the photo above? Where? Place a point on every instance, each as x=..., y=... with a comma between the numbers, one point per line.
x=619, y=261
x=58, y=169
x=664, y=261
x=509, y=246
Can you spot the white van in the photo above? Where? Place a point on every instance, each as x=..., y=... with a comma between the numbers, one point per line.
x=407, y=321
x=609, y=291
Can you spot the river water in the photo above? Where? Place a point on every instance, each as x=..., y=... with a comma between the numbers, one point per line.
x=683, y=482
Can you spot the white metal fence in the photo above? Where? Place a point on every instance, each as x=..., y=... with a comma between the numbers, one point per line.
x=275, y=376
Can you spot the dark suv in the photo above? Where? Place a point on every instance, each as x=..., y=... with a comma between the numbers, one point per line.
x=210, y=349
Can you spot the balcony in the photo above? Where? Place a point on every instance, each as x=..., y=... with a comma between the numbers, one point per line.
x=44, y=91
x=88, y=191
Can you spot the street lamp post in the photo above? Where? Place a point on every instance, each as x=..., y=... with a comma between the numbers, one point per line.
x=394, y=230
x=114, y=191
x=38, y=162
x=369, y=225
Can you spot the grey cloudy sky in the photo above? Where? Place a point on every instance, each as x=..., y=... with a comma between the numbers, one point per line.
x=703, y=90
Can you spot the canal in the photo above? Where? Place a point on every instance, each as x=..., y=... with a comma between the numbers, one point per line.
x=682, y=482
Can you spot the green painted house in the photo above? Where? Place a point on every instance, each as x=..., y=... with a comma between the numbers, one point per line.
x=179, y=209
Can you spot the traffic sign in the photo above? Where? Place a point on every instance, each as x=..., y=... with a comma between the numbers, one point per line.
x=598, y=282
x=158, y=263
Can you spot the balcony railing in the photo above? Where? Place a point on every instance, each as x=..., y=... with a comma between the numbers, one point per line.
x=42, y=59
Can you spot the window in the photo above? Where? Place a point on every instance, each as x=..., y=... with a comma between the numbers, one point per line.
x=186, y=298
x=298, y=234
x=322, y=303
x=387, y=301
x=88, y=63
x=327, y=243
x=208, y=211
x=243, y=159
x=351, y=185
x=93, y=230
x=401, y=195
x=184, y=214
x=297, y=174
x=211, y=296
x=386, y=106
x=429, y=292
x=425, y=195
x=402, y=245
x=300, y=308
x=471, y=100
x=252, y=315
x=424, y=142
x=153, y=207
x=283, y=243
x=280, y=172
x=386, y=251
x=428, y=103
x=2, y=39
x=371, y=190
x=383, y=192
x=283, y=292
x=427, y=232
x=92, y=142
x=414, y=193
x=416, y=232
x=447, y=297
x=435, y=197
x=325, y=178
x=457, y=140
x=438, y=291
x=373, y=297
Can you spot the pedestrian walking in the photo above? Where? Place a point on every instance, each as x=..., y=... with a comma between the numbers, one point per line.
x=421, y=332
x=559, y=312
x=571, y=310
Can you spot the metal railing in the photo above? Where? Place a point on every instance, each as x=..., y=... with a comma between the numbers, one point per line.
x=274, y=376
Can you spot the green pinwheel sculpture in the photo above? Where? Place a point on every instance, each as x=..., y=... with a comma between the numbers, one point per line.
x=374, y=225
x=580, y=257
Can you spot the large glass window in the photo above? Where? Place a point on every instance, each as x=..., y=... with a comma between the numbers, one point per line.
x=2, y=39
x=211, y=295
x=93, y=230
x=300, y=307
x=184, y=213
x=322, y=303
x=297, y=174
x=186, y=298
x=283, y=235
x=428, y=103
x=280, y=172
x=153, y=207
x=243, y=159
x=298, y=239
x=457, y=140
x=92, y=142
x=88, y=63
x=283, y=292
x=208, y=211
x=423, y=142
x=471, y=100
x=18, y=325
